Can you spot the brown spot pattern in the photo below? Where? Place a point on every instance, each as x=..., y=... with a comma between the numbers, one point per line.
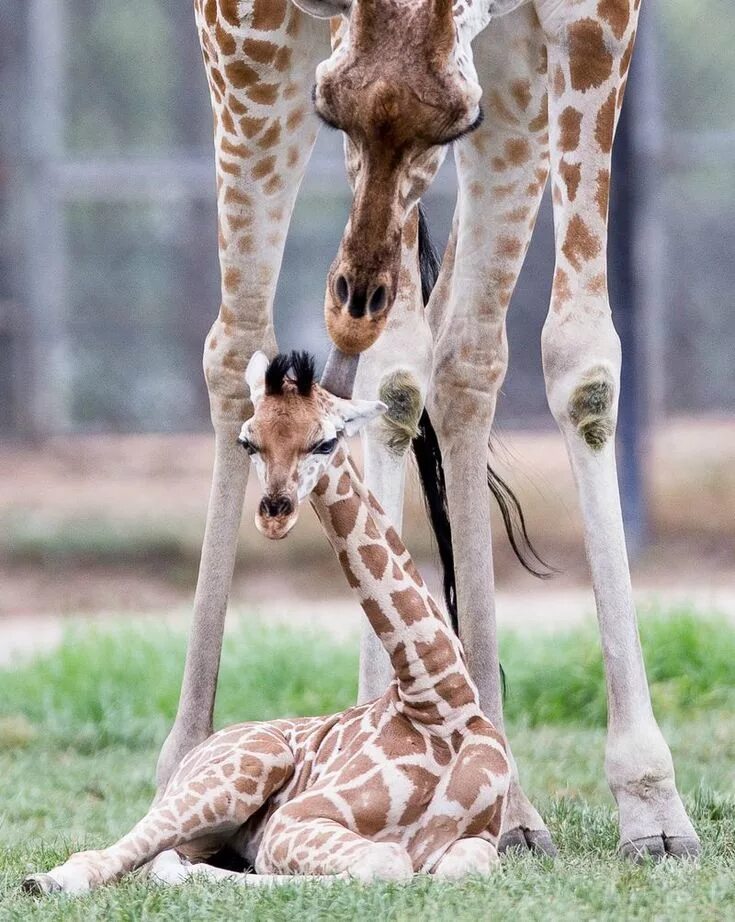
x=590, y=63
x=375, y=558
x=617, y=13
x=394, y=542
x=377, y=618
x=517, y=151
x=580, y=244
x=268, y=14
x=570, y=122
x=571, y=173
x=344, y=560
x=602, y=195
x=409, y=604
x=241, y=74
x=605, y=124
x=344, y=515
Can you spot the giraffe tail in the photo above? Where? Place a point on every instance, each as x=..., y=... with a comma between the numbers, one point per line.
x=431, y=471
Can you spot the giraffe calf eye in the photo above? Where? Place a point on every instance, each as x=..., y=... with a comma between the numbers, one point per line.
x=324, y=448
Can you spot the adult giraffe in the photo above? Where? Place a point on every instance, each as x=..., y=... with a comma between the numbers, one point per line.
x=403, y=82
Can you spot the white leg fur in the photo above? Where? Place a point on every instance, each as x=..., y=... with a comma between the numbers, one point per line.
x=467, y=856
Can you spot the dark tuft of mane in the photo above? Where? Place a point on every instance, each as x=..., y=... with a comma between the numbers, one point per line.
x=302, y=366
x=276, y=373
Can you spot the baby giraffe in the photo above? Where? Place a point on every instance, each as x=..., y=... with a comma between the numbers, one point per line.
x=415, y=781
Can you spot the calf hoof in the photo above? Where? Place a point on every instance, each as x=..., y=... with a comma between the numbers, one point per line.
x=536, y=841
x=40, y=884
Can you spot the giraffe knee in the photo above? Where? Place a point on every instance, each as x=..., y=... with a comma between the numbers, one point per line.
x=382, y=861
x=591, y=407
x=401, y=393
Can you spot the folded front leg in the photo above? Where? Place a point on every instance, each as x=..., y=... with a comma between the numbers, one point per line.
x=293, y=844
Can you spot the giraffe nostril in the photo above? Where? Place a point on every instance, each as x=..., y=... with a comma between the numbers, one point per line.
x=342, y=290
x=272, y=507
x=357, y=302
x=378, y=299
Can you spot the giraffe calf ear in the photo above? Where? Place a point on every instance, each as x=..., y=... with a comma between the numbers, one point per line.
x=324, y=9
x=255, y=375
x=356, y=413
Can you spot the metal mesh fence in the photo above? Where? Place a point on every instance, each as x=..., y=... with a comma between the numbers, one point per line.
x=108, y=266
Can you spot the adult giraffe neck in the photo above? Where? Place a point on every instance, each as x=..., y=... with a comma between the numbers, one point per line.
x=433, y=684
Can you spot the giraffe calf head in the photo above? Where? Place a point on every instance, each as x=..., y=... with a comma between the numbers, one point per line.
x=294, y=434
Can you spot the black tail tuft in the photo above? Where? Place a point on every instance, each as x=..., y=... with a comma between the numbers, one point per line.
x=515, y=527
x=426, y=445
x=431, y=471
x=429, y=259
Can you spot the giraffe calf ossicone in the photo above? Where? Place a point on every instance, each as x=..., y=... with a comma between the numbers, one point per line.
x=415, y=781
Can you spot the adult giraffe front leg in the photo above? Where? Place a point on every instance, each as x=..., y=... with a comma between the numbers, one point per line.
x=502, y=171
x=260, y=59
x=590, y=46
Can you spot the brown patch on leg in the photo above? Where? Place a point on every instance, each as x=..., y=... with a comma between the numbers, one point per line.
x=617, y=13
x=517, y=151
x=562, y=293
x=580, y=244
x=627, y=55
x=605, y=124
x=571, y=173
x=559, y=84
x=570, y=122
x=602, y=196
x=590, y=63
x=520, y=90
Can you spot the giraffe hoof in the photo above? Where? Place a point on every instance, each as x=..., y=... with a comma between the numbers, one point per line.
x=536, y=841
x=658, y=847
x=40, y=884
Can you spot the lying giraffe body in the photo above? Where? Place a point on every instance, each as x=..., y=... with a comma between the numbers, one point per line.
x=404, y=80
x=413, y=782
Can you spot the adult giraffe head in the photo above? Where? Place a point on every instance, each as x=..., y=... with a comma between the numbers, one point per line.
x=401, y=85
x=294, y=434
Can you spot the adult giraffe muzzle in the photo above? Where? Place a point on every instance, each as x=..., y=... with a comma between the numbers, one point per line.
x=399, y=104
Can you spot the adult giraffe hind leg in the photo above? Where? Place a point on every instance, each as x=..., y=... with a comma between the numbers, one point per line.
x=590, y=47
x=502, y=170
x=260, y=59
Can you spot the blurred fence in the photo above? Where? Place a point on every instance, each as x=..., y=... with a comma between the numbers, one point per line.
x=108, y=263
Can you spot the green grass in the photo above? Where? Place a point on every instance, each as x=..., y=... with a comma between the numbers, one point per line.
x=79, y=732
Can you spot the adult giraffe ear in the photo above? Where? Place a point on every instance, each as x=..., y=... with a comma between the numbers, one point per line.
x=356, y=413
x=324, y=9
x=255, y=375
